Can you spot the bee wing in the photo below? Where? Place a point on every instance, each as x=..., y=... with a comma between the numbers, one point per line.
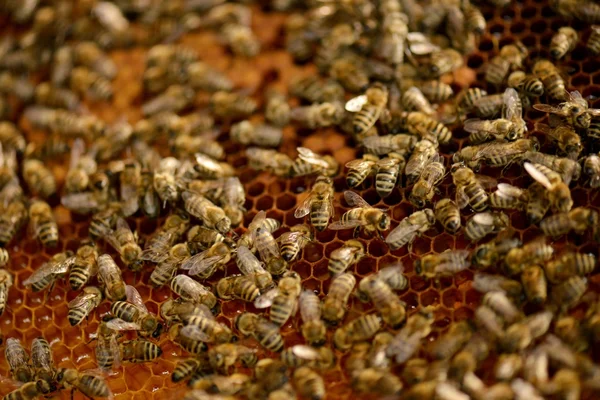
x=266, y=299
x=83, y=202
x=82, y=300
x=356, y=104
x=270, y=250
x=419, y=44
x=305, y=352
x=338, y=225
x=485, y=218
x=130, y=199
x=233, y=191
x=112, y=240
x=512, y=104
x=304, y=208
x=48, y=269
x=158, y=248
x=77, y=150
x=114, y=348
x=354, y=200
x=506, y=190
x=360, y=165
x=292, y=237
x=391, y=270
x=195, y=333
x=487, y=182
x=310, y=157
x=400, y=231
x=577, y=98
x=550, y=109
x=118, y=324
x=387, y=163
x=462, y=200
x=455, y=254
x=537, y=175
x=248, y=264
x=594, y=112
x=345, y=252
x=257, y=220
x=474, y=125
x=376, y=142
x=134, y=297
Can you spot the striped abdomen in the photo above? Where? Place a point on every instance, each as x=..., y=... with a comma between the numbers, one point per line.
x=478, y=198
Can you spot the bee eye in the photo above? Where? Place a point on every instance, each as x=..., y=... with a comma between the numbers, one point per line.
x=575, y=109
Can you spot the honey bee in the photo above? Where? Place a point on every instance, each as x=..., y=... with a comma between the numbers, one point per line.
x=409, y=228
x=383, y=145
x=238, y=287
x=201, y=76
x=133, y=315
x=309, y=383
x=336, y=300
x=436, y=91
x=568, y=293
x=125, y=242
x=511, y=56
x=39, y=178
x=452, y=341
x=495, y=154
x=110, y=275
x=342, y=258
x=175, y=98
x=392, y=310
x=264, y=331
x=532, y=253
x=408, y=340
x=321, y=358
x=593, y=42
x=309, y=163
x=165, y=270
x=12, y=219
x=468, y=98
x=520, y=335
x=313, y=90
x=567, y=140
x=388, y=170
x=363, y=216
x=90, y=55
x=207, y=168
x=158, y=246
x=430, y=177
x=283, y=299
x=211, y=215
x=43, y=223
x=62, y=65
x=469, y=188
x=200, y=238
x=525, y=84
x=249, y=265
x=82, y=305
x=447, y=263
x=139, y=350
x=510, y=127
x=241, y=40
x=554, y=85
x=489, y=283
x=260, y=220
x=188, y=368
x=578, y=219
x=563, y=42
x=82, y=166
x=391, y=275
x=358, y=330
x=558, y=191
x=84, y=81
x=260, y=135
x=313, y=328
x=205, y=264
x=18, y=361
x=6, y=282
x=187, y=340
x=89, y=385
x=448, y=214
x=350, y=71
x=227, y=193
x=490, y=253
x=359, y=170
x=591, y=167
x=567, y=168
x=294, y=241
x=202, y=326
x=230, y=105
x=468, y=359
x=11, y=138
x=277, y=110
x=424, y=153
x=30, y=390
x=368, y=108
x=189, y=289
x=443, y=61
x=414, y=100
x=48, y=273
x=569, y=264
x=269, y=160
x=43, y=362
x=483, y=224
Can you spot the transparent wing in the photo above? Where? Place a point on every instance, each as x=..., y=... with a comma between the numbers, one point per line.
x=401, y=231
x=248, y=263
x=113, y=242
x=41, y=356
x=344, y=252
x=84, y=299
x=356, y=104
x=462, y=200
x=416, y=161
x=387, y=163
x=200, y=263
x=354, y=200
x=306, y=352
x=537, y=175
x=577, y=98
x=292, y=237
x=304, y=208
x=118, y=324
x=130, y=199
x=512, y=104
x=207, y=162
x=257, y=220
x=487, y=182
x=484, y=219
x=190, y=286
x=266, y=299
x=310, y=157
x=77, y=150
x=268, y=250
x=378, y=143
x=134, y=297
x=158, y=248
x=195, y=333
x=360, y=165
x=474, y=125
x=233, y=191
x=338, y=225
x=455, y=254
x=506, y=190
x=83, y=202
x=113, y=346
x=550, y=109
x=49, y=269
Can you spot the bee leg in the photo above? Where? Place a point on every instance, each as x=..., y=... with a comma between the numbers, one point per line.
x=380, y=235
x=356, y=231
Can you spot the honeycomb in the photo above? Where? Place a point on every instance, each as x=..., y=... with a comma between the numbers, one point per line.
x=30, y=315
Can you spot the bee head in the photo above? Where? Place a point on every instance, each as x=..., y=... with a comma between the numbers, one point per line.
x=384, y=222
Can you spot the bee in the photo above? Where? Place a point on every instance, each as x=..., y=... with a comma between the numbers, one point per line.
x=357, y=330
x=336, y=300
x=383, y=145
x=563, y=42
x=269, y=160
x=532, y=253
x=139, y=350
x=534, y=284
x=423, y=190
x=448, y=214
x=558, y=191
x=6, y=282
x=447, y=263
x=392, y=310
x=525, y=84
x=62, y=65
x=350, y=71
x=313, y=327
x=189, y=289
x=392, y=276
x=569, y=330
x=406, y=342
x=237, y=287
x=241, y=40
x=84, y=81
x=211, y=215
x=313, y=90
x=249, y=265
x=489, y=321
x=200, y=238
x=568, y=293
x=165, y=270
x=591, y=167
x=47, y=274
x=267, y=247
x=44, y=224
x=201, y=325
x=165, y=182
x=82, y=305
x=125, y=242
x=283, y=299
x=443, y=61
x=227, y=193
x=567, y=140
x=554, y=84
x=39, y=178
x=409, y=228
x=309, y=383
x=277, y=109
x=11, y=138
x=569, y=264
x=225, y=355
x=424, y=153
x=372, y=380
x=452, y=341
x=18, y=361
x=260, y=220
x=89, y=385
x=90, y=55
x=363, y=216
x=43, y=362
x=133, y=314
x=468, y=98
x=467, y=360
x=158, y=246
x=259, y=135
x=521, y=334
x=567, y=168
x=490, y=253
x=14, y=216
x=469, y=188
x=342, y=258
x=483, y=224
x=294, y=241
x=82, y=166
x=414, y=100
x=102, y=222
x=309, y=163
x=110, y=275
x=187, y=368
x=207, y=168
x=186, y=340
x=488, y=283
x=175, y=98
x=264, y=331
x=495, y=154
x=230, y=105
x=368, y=108
x=510, y=127
x=388, y=170
x=511, y=56
x=593, y=42
x=578, y=219
x=321, y=358
x=436, y=91
x=359, y=170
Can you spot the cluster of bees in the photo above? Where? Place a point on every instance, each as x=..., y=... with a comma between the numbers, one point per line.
x=393, y=57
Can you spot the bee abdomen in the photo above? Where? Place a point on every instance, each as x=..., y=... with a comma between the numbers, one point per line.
x=385, y=181
x=78, y=277
x=48, y=234
x=281, y=309
x=184, y=370
x=364, y=119
x=272, y=341
x=76, y=315
x=93, y=386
